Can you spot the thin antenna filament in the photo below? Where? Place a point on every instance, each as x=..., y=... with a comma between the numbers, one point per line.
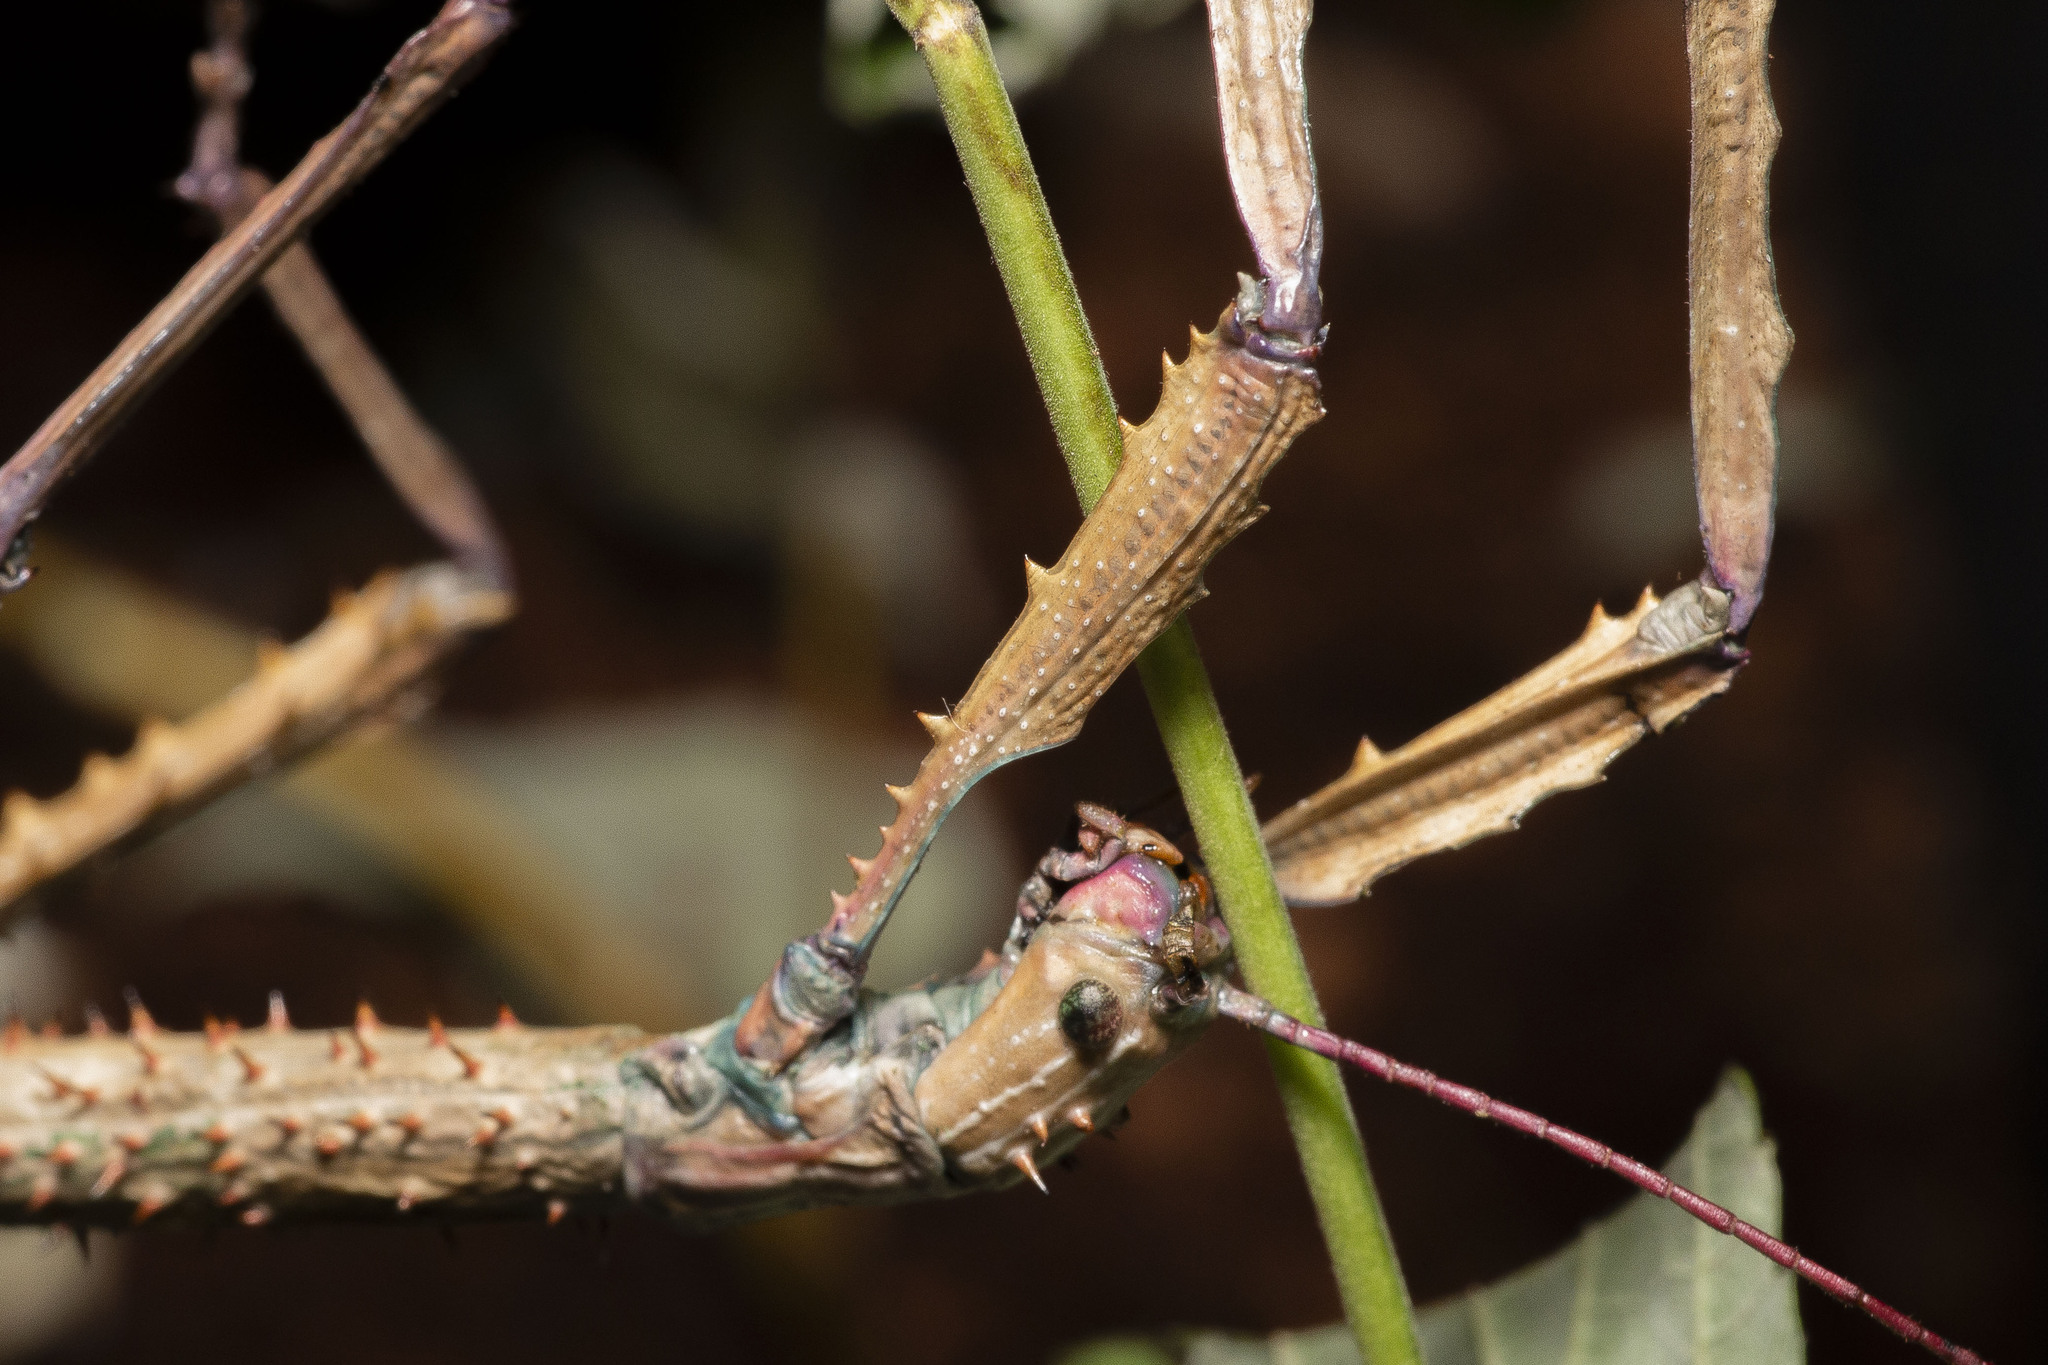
x=1257, y=1013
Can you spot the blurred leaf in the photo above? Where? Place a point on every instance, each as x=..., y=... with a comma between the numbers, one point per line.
x=872, y=71
x=1644, y=1286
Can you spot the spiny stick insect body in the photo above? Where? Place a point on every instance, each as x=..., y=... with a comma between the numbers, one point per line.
x=817, y=1091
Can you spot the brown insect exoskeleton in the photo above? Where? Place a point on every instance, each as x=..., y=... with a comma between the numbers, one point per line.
x=817, y=1091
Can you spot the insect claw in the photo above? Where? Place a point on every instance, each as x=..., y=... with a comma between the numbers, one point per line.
x=1021, y=1159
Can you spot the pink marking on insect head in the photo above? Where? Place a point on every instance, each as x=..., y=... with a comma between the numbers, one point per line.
x=1136, y=894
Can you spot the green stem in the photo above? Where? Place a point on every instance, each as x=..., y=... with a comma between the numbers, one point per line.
x=954, y=42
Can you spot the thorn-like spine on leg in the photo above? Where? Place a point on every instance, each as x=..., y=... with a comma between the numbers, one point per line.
x=140, y=1023
x=1021, y=1159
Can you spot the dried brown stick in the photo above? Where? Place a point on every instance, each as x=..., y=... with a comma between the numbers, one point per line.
x=425, y=72
x=1554, y=729
x=1740, y=341
x=1188, y=484
x=412, y=455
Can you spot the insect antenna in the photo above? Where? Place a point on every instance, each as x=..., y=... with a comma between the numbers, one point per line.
x=1251, y=1010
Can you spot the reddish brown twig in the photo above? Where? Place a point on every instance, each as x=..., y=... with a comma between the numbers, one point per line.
x=1250, y=1010
x=411, y=454
x=425, y=72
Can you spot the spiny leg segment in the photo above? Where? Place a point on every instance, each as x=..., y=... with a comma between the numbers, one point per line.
x=1251, y=1010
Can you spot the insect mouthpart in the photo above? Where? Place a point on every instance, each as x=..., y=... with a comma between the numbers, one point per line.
x=1137, y=894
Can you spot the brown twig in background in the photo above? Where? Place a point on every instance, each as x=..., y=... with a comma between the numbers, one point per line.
x=425, y=72
x=368, y=658
x=411, y=454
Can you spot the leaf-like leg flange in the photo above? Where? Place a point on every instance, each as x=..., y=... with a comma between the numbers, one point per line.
x=1740, y=341
x=1554, y=729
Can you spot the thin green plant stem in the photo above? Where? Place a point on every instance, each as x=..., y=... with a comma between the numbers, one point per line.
x=954, y=42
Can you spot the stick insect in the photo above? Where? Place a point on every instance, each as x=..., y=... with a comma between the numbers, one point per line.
x=816, y=1091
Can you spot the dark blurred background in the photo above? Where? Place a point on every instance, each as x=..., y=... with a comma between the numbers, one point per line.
x=729, y=359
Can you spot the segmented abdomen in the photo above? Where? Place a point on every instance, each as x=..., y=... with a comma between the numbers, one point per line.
x=367, y=1121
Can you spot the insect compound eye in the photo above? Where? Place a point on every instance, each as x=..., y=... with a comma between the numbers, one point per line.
x=1090, y=1014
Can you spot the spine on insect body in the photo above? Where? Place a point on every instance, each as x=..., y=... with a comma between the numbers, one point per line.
x=1188, y=484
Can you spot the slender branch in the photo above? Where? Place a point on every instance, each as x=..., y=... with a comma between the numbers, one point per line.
x=425, y=72
x=954, y=42
x=412, y=455
x=1260, y=1014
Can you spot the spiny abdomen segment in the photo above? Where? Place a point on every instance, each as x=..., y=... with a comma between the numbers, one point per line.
x=282, y=1123
x=1189, y=482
